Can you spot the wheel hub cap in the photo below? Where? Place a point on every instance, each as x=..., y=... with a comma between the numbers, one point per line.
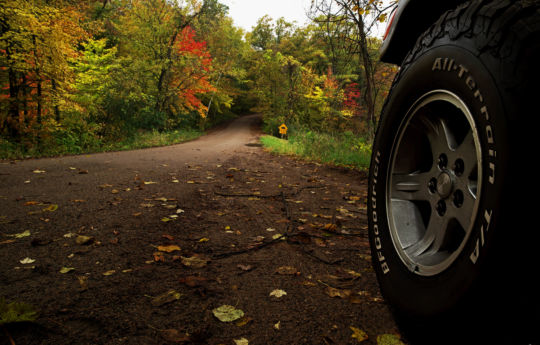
x=445, y=185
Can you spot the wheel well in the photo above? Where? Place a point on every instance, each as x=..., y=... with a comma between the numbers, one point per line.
x=415, y=17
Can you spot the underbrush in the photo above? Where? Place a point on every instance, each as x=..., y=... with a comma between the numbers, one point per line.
x=68, y=145
x=342, y=149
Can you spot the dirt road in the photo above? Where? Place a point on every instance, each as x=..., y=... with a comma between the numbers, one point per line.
x=143, y=247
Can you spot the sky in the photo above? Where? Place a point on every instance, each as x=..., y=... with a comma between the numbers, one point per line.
x=245, y=13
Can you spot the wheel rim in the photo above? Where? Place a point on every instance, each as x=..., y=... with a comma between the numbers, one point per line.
x=434, y=182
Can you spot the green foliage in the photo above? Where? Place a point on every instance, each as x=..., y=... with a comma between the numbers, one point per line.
x=16, y=312
x=343, y=149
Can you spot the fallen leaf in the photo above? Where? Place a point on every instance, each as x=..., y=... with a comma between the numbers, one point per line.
x=287, y=270
x=109, y=273
x=26, y=261
x=81, y=239
x=31, y=203
x=150, y=182
x=389, y=339
x=172, y=335
x=193, y=281
x=115, y=191
x=167, y=297
x=358, y=334
x=51, y=208
x=244, y=321
x=166, y=220
x=245, y=267
x=106, y=185
x=278, y=293
x=7, y=242
x=83, y=282
x=64, y=270
x=168, y=249
x=277, y=325
x=333, y=292
x=37, y=171
x=25, y=233
x=241, y=341
x=83, y=171
x=227, y=313
x=167, y=236
x=194, y=261
x=159, y=256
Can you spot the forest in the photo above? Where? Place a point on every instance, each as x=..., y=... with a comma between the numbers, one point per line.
x=96, y=75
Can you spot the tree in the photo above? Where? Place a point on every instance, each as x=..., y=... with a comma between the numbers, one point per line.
x=37, y=41
x=360, y=15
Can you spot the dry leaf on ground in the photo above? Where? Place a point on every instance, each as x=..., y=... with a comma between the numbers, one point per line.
x=227, y=313
x=194, y=261
x=358, y=334
x=278, y=293
x=168, y=249
x=167, y=297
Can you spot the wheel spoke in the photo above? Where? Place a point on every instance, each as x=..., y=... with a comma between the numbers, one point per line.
x=464, y=213
x=439, y=135
x=432, y=239
x=411, y=186
x=466, y=151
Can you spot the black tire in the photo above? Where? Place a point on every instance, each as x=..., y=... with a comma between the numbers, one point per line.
x=472, y=80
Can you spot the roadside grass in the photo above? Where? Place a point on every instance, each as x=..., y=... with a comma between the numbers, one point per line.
x=61, y=146
x=342, y=149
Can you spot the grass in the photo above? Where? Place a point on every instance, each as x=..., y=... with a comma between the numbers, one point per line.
x=343, y=149
x=139, y=140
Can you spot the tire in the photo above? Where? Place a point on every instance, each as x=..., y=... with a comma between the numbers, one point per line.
x=448, y=175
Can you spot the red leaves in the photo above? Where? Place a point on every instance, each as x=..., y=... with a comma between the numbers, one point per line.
x=191, y=77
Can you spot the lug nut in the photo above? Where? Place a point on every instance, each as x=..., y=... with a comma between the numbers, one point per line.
x=441, y=208
x=459, y=167
x=432, y=185
x=443, y=161
x=458, y=198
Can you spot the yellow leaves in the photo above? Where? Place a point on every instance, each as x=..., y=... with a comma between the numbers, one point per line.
x=27, y=261
x=165, y=298
x=194, y=261
x=287, y=270
x=82, y=240
x=278, y=293
x=65, y=270
x=227, y=313
x=23, y=234
x=389, y=339
x=358, y=334
x=51, y=208
x=169, y=248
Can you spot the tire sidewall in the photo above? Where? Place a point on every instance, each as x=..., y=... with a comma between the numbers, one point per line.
x=450, y=67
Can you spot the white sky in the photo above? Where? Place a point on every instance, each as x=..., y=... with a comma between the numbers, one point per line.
x=245, y=13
